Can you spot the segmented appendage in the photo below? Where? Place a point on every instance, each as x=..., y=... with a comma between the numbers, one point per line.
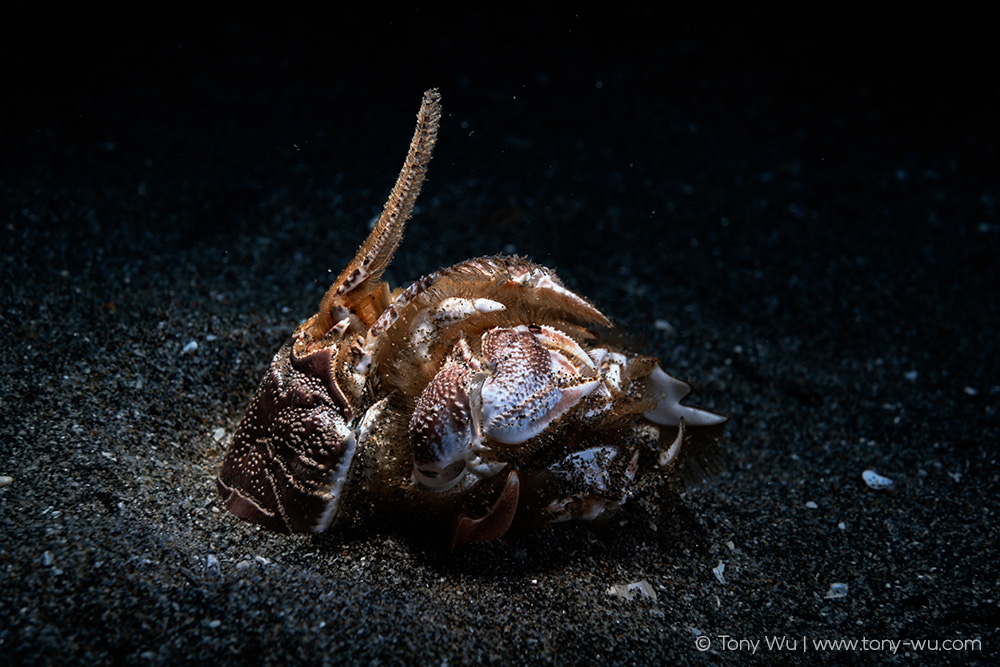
x=357, y=289
x=480, y=394
x=290, y=456
x=500, y=378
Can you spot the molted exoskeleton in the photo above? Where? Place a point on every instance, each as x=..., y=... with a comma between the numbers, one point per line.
x=477, y=395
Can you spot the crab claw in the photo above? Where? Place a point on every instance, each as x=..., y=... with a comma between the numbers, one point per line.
x=529, y=388
x=288, y=463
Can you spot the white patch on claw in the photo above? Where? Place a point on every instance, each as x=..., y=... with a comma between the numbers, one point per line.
x=453, y=309
x=422, y=335
x=613, y=377
x=617, y=358
x=523, y=397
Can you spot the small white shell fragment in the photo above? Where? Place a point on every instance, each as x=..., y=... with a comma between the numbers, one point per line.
x=663, y=325
x=6, y=480
x=718, y=571
x=837, y=591
x=644, y=588
x=812, y=505
x=628, y=591
x=190, y=347
x=619, y=592
x=876, y=481
x=218, y=434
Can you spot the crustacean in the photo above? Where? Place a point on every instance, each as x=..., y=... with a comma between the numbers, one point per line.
x=480, y=394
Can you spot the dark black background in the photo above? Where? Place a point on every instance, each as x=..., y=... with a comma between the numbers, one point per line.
x=810, y=205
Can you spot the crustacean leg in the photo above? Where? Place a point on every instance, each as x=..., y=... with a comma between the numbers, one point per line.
x=444, y=430
x=287, y=467
x=530, y=386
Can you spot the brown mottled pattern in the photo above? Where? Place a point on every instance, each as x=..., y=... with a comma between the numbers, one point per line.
x=441, y=419
x=319, y=365
x=290, y=457
x=522, y=364
x=286, y=450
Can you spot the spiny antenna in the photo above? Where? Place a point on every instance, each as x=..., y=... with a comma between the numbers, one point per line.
x=361, y=276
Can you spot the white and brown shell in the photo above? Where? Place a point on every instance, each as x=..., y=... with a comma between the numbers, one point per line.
x=478, y=397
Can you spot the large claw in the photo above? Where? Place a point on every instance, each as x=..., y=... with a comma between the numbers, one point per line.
x=529, y=388
x=445, y=429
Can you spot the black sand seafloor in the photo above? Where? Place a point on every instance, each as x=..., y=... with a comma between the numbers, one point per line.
x=805, y=227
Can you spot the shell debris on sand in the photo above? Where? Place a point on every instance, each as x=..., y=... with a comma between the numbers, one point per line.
x=876, y=481
x=837, y=591
x=628, y=591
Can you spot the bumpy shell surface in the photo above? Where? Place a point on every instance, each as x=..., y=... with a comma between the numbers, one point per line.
x=479, y=396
